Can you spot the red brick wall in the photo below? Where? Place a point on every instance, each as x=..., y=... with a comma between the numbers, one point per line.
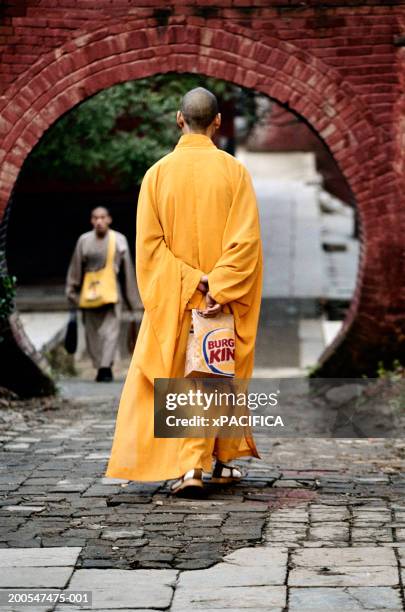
x=337, y=66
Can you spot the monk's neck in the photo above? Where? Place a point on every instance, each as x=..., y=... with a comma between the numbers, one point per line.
x=101, y=235
x=188, y=132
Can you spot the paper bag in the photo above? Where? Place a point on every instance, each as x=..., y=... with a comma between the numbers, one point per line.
x=211, y=346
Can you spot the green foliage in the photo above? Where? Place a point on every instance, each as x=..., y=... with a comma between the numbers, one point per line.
x=60, y=362
x=7, y=294
x=312, y=370
x=121, y=131
x=393, y=379
x=396, y=372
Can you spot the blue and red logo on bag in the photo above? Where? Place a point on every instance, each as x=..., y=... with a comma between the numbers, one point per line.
x=218, y=348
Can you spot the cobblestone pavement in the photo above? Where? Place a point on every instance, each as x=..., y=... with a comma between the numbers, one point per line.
x=316, y=525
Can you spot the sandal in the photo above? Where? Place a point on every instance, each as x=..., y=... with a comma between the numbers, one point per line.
x=225, y=474
x=190, y=481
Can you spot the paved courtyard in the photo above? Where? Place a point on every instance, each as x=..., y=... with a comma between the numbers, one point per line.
x=317, y=524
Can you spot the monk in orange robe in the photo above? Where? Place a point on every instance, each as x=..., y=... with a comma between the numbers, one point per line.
x=198, y=246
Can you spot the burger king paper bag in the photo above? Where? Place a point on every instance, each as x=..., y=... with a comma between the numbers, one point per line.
x=211, y=346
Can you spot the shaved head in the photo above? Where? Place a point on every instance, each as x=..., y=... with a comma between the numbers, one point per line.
x=199, y=108
x=100, y=209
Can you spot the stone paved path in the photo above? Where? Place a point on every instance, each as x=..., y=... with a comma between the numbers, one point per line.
x=316, y=525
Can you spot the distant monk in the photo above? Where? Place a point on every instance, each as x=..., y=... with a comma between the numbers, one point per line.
x=102, y=324
x=198, y=246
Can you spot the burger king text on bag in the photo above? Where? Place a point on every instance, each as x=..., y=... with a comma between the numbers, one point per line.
x=210, y=346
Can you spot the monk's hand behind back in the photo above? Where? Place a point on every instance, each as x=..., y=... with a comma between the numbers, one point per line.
x=203, y=284
x=213, y=307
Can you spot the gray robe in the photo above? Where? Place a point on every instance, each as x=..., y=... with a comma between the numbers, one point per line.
x=102, y=325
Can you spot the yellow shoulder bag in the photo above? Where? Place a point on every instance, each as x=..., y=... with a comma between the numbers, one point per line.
x=100, y=286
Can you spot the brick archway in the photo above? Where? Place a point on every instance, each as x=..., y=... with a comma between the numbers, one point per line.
x=128, y=50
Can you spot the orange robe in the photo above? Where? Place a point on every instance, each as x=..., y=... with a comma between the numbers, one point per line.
x=197, y=214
